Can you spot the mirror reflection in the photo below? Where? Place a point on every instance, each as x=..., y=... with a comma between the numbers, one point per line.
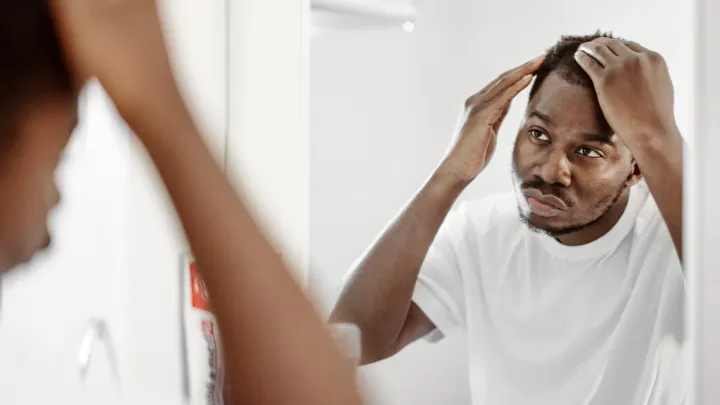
x=496, y=197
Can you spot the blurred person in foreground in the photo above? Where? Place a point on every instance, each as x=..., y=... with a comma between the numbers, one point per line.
x=277, y=350
x=566, y=287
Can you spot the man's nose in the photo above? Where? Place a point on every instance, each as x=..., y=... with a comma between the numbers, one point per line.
x=555, y=169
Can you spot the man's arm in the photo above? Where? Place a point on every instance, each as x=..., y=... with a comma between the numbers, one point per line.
x=378, y=295
x=637, y=98
x=661, y=161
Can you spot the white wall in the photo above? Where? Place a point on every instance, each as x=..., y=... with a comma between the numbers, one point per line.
x=383, y=107
x=268, y=150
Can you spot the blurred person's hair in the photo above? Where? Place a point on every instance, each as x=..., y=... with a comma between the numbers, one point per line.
x=560, y=59
x=32, y=64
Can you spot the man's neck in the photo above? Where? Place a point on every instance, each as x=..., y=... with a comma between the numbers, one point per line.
x=599, y=228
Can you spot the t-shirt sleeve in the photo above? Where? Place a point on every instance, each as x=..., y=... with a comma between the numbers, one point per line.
x=439, y=289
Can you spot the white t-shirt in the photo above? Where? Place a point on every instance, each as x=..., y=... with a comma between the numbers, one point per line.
x=550, y=324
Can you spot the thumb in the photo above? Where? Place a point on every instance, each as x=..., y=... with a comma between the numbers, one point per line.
x=591, y=66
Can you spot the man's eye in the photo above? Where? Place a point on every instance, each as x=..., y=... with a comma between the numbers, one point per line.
x=588, y=152
x=539, y=135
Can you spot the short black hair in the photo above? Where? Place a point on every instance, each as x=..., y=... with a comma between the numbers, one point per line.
x=560, y=59
x=32, y=61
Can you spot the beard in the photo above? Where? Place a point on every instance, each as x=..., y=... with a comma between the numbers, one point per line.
x=608, y=201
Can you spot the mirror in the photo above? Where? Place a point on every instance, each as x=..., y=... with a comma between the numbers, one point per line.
x=528, y=316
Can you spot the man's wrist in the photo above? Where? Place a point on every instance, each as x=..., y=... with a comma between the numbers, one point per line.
x=653, y=143
x=447, y=179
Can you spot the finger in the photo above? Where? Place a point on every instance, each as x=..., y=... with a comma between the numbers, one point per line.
x=512, y=76
x=636, y=47
x=615, y=45
x=600, y=52
x=589, y=64
x=498, y=105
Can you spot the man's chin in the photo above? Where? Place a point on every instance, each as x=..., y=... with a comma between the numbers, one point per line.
x=550, y=226
x=547, y=224
x=536, y=223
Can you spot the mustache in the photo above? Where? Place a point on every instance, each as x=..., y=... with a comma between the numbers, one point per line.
x=548, y=189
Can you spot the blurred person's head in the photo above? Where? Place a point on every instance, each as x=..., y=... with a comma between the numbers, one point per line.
x=570, y=169
x=38, y=112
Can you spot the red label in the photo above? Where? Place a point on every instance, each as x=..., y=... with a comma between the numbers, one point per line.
x=198, y=291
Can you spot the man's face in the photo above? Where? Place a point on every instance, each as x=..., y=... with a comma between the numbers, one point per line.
x=569, y=167
x=27, y=178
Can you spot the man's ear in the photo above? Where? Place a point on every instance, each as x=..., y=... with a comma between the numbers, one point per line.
x=635, y=176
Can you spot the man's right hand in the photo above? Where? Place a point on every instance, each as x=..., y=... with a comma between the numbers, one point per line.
x=474, y=142
x=378, y=295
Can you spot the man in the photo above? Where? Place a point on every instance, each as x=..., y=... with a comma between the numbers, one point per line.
x=271, y=359
x=566, y=302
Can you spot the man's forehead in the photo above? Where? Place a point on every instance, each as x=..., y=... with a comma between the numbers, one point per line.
x=566, y=105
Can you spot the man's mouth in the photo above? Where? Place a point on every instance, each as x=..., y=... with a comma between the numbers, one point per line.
x=542, y=204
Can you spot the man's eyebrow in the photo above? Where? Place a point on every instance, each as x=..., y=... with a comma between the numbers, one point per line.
x=544, y=117
x=606, y=139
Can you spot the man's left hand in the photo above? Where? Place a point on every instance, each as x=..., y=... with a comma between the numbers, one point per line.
x=636, y=96
x=633, y=87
